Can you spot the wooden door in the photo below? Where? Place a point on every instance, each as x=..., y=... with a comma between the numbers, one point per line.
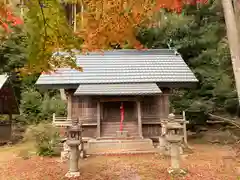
x=111, y=119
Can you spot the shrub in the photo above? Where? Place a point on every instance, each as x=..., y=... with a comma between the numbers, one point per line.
x=30, y=107
x=36, y=107
x=45, y=138
x=52, y=105
x=231, y=106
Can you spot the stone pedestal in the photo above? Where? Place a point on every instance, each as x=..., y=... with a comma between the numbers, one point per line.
x=175, y=141
x=74, y=156
x=175, y=156
x=73, y=160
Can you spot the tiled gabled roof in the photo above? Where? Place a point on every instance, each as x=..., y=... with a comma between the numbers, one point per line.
x=124, y=66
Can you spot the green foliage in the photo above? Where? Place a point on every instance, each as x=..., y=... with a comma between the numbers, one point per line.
x=36, y=108
x=52, y=105
x=45, y=137
x=47, y=32
x=13, y=56
x=4, y=118
x=12, y=51
x=34, y=105
x=199, y=36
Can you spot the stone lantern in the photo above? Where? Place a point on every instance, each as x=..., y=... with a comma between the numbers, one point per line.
x=73, y=141
x=163, y=143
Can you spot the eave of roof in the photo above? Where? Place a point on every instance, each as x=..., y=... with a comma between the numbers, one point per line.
x=118, y=89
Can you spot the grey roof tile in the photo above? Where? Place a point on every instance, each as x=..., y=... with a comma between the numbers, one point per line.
x=124, y=66
x=118, y=89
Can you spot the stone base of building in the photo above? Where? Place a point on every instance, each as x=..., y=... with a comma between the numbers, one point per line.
x=115, y=145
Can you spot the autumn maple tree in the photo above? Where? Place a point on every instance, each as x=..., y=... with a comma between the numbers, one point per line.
x=7, y=19
x=99, y=25
x=115, y=22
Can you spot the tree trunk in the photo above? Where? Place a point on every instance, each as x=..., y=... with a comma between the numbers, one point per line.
x=236, y=6
x=233, y=40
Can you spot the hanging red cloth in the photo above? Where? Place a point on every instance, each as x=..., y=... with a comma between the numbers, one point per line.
x=122, y=116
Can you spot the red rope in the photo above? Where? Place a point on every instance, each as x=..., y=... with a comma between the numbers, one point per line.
x=122, y=116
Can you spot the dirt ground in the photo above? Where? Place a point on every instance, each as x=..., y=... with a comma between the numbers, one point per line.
x=207, y=162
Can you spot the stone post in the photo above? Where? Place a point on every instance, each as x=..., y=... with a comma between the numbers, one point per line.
x=73, y=161
x=175, y=141
x=175, y=155
x=162, y=138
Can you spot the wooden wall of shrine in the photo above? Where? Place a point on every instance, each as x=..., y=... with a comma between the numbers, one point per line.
x=8, y=106
x=153, y=110
x=8, y=102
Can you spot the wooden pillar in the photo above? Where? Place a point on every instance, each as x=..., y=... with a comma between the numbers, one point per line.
x=167, y=104
x=101, y=110
x=69, y=106
x=163, y=105
x=139, y=118
x=160, y=109
x=11, y=125
x=63, y=94
x=185, y=128
x=98, y=119
x=86, y=107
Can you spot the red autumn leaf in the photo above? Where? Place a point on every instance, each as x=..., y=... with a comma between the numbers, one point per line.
x=8, y=18
x=6, y=27
x=17, y=21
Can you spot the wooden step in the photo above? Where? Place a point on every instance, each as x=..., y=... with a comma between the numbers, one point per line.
x=109, y=128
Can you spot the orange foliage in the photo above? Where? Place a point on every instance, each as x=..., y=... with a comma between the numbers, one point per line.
x=115, y=22
x=112, y=22
x=106, y=23
x=7, y=18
